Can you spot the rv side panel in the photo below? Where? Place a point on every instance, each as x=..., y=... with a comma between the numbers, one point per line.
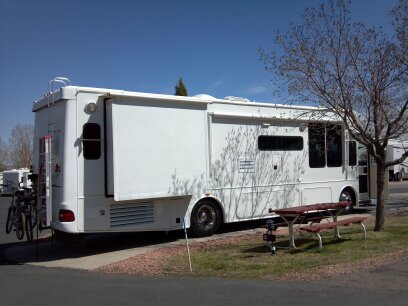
x=157, y=149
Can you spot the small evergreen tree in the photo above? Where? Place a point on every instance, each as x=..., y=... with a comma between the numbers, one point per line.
x=181, y=89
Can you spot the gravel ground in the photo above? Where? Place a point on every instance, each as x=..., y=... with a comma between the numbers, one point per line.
x=151, y=263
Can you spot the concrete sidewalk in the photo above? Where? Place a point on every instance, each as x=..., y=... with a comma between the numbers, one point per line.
x=60, y=255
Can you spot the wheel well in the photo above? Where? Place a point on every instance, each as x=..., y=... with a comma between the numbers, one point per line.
x=352, y=193
x=215, y=202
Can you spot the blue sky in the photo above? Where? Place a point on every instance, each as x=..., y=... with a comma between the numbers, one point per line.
x=145, y=46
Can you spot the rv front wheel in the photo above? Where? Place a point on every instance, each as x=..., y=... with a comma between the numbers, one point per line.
x=346, y=196
x=205, y=219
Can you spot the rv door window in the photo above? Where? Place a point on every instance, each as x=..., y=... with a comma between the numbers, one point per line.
x=317, y=146
x=334, y=147
x=280, y=143
x=91, y=139
x=352, y=153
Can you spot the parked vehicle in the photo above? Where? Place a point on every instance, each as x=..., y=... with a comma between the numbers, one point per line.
x=12, y=179
x=394, y=151
x=111, y=160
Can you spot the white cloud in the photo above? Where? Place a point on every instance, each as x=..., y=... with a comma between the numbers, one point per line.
x=254, y=90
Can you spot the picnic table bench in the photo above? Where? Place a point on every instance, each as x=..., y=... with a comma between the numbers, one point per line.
x=299, y=215
x=316, y=228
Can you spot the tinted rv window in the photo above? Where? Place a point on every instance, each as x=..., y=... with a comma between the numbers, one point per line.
x=334, y=147
x=280, y=143
x=91, y=135
x=352, y=153
x=317, y=146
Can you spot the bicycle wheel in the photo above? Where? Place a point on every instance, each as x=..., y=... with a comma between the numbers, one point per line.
x=29, y=227
x=20, y=225
x=32, y=211
x=10, y=220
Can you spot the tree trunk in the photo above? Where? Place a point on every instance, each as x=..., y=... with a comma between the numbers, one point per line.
x=379, y=213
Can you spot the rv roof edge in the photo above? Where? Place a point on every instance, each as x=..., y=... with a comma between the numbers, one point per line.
x=69, y=92
x=63, y=93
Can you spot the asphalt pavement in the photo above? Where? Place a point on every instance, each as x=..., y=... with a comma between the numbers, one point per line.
x=31, y=285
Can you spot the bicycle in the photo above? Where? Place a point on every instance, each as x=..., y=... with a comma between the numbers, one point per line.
x=22, y=213
x=30, y=212
x=15, y=216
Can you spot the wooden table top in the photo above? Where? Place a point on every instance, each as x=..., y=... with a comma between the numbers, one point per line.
x=298, y=210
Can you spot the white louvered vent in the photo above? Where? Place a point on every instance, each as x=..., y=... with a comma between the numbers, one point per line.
x=126, y=215
x=246, y=164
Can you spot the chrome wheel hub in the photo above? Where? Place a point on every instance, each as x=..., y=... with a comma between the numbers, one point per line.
x=206, y=217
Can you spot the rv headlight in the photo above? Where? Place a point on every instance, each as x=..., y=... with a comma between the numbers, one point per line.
x=90, y=108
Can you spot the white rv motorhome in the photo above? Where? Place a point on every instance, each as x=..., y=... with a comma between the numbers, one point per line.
x=111, y=160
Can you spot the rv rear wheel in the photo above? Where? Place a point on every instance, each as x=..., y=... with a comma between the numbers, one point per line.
x=346, y=196
x=205, y=219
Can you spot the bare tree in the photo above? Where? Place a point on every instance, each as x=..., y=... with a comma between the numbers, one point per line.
x=21, y=145
x=3, y=155
x=358, y=72
x=400, y=14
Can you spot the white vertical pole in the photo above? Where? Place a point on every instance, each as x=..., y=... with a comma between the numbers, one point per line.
x=188, y=248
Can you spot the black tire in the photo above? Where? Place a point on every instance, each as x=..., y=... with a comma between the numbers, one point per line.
x=33, y=216
x=20, y=226
x=29, y=227
x=10, y=220
x=205, y=219
x=346, y=196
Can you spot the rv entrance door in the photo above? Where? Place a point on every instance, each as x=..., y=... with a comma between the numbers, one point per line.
x=363, y=173
x=367, y=171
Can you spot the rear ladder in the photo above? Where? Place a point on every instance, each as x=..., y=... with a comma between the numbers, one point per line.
x=45, y=182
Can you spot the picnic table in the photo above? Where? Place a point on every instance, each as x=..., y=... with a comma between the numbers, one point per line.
x=299, y=215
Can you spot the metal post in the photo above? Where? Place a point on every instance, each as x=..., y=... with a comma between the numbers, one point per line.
x=188, y=248
x=38, y=257
x=291, y=232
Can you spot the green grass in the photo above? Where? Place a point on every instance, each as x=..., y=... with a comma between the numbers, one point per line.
x=251, y=259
